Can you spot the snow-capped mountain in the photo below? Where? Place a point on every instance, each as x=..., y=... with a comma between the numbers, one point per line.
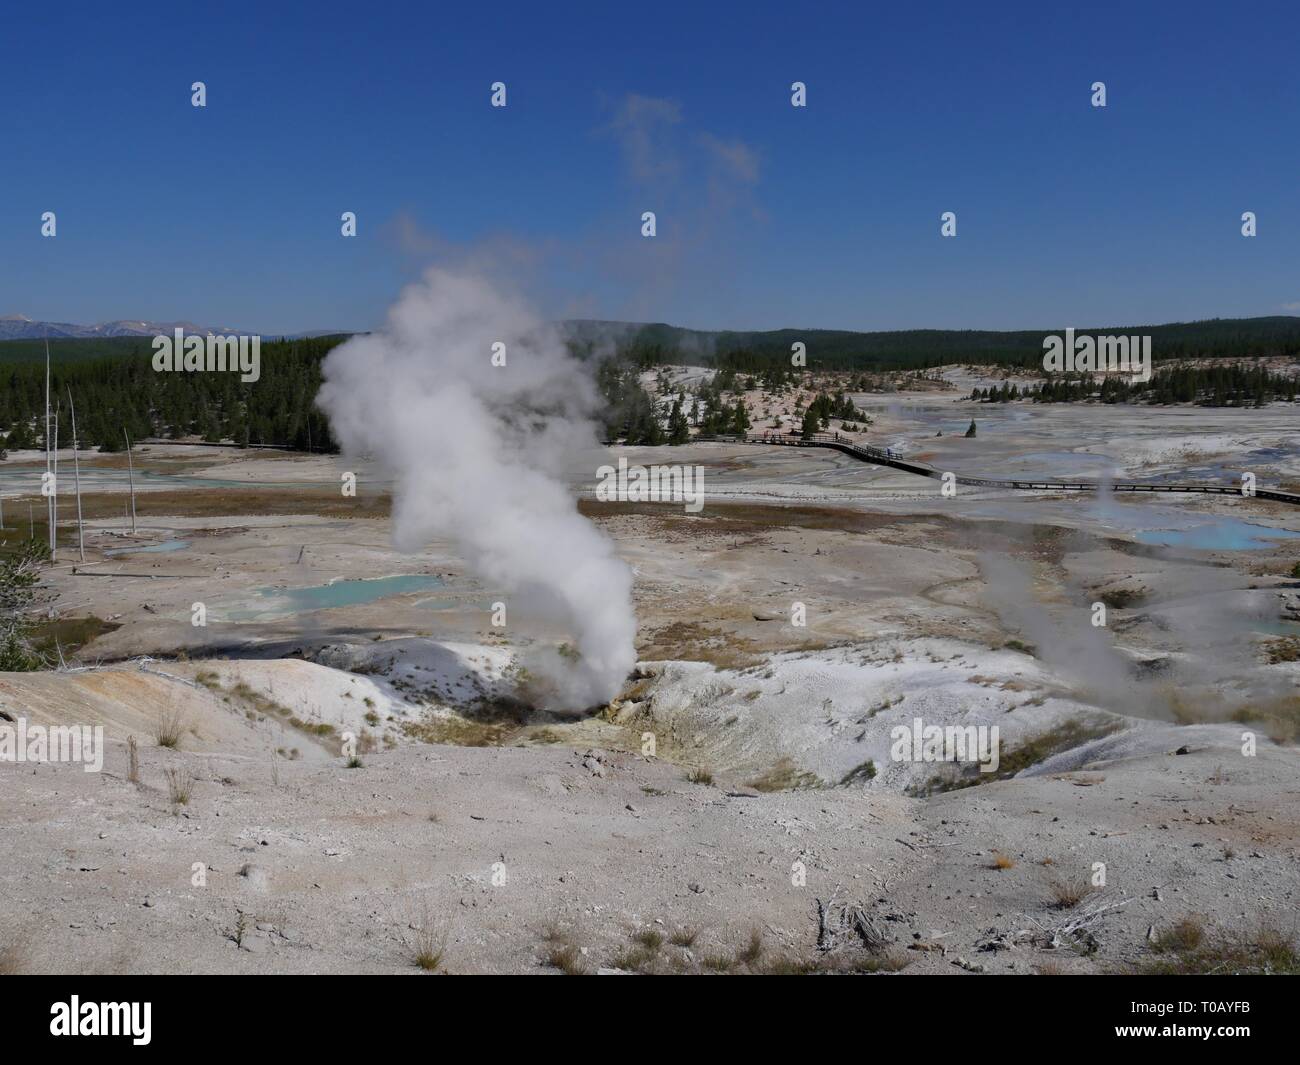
x=20, y=327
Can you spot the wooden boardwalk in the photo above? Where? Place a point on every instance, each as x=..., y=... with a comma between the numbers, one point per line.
x=884, y=457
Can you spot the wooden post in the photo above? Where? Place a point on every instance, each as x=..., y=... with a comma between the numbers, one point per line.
x=130, y=472
x=54, y=492
x=49, y=499
x=76, y=466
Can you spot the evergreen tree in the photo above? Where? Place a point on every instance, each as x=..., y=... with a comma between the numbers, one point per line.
x=678, y=431
x=740, y=418
x=811, y=423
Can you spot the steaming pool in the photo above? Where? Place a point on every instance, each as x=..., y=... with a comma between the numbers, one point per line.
x=1220, y=534
x=164, y=548
x=269, y=603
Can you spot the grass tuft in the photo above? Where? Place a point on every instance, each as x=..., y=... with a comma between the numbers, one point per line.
x=1069, y=893
x=567, y=958
x=1186, y=950
x=650, y=938
x=180, y=784
x=428, y=943
x=684, y=937
x=168, y=727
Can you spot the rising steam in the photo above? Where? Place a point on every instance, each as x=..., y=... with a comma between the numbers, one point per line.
x=478, y=454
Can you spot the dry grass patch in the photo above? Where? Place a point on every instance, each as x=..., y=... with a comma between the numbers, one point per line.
x=684, y=937
x=1002, y=861
x=561, y=952
x=634, y=959
x=890, y=960
x=692, y=641
x=1265, y=951
x=1278, y=717
x=1068, y=892
x=752, y=950
x=491, y=723
x=567, y=958
x=785, y=776
x=1286, y=649
x=13, y=958
x=1185, y=934
x=650, y=938
x=224, y=502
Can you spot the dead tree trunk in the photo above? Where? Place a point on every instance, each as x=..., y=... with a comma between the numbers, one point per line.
x=76, y=467
x=130, y=472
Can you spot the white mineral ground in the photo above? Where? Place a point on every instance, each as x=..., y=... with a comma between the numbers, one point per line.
x=973, y=610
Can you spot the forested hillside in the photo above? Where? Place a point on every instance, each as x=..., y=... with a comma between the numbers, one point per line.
x=114, y=392
x=115, y=387
x=829, y=349
x=1217, y=385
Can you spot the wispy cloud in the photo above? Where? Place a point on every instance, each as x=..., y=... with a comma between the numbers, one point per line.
x=643, y=126
x=734, y=158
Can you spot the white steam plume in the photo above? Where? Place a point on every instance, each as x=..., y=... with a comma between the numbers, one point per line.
x=478, y=454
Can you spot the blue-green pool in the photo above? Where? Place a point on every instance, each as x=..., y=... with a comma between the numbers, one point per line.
x=279, y=602
x=1220, y=534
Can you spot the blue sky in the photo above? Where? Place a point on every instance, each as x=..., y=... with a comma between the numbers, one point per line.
x=769, y=216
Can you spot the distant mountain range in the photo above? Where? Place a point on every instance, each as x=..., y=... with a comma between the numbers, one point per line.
x=20, y=327
x=656, y=342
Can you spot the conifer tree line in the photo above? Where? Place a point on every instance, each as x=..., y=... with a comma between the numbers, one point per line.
x=647, y=346
x=121, y=391
x=125, y=392
x=1223, y=385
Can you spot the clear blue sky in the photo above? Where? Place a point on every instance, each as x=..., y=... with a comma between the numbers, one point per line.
x=768, y=215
